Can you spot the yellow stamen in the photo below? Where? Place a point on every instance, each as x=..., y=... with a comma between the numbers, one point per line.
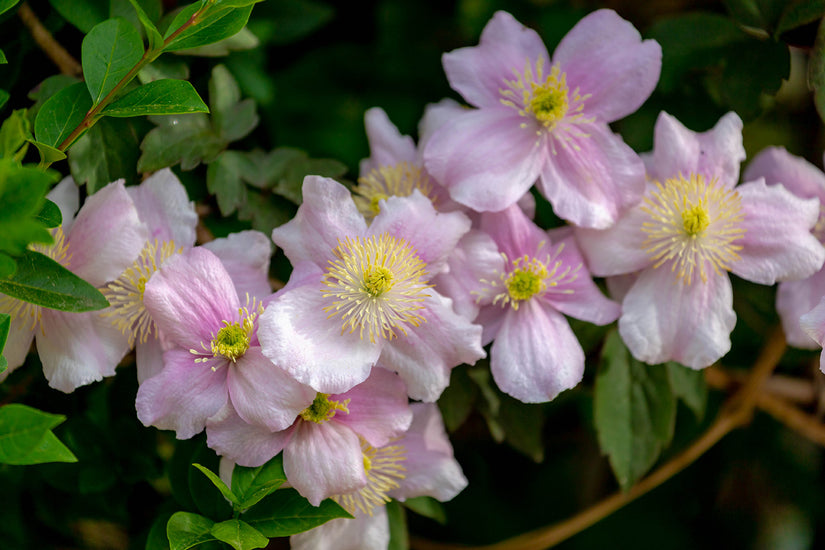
x=398, y=180
x=234, y=338
x=324, y=409
x=384, y=468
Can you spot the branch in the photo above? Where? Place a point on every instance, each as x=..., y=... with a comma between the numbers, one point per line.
x=736, y=412
x=63, y=59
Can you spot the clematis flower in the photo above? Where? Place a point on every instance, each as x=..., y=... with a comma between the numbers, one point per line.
x=419, y=464
x=77, y=349
x=361, y=295
x=323, y=447
x=544, y=120
x=693, y=227
x=524, y=279
x=214, y=356
x=803, y=179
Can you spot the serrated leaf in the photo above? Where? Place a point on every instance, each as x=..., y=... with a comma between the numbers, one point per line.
x=152, y=34
x=634, y=411
x=161, y=97
x=427, y=507
x=42, y=281
x=26, y=437
x=107, y=152
x=397, y=520
x=218, y=483
x=253, y=484
x=285, y=513
x=690, y=386
x=108, y=53
x=185, y=139
x=265, y=213
x=83, y=15
x=186, y=530
x=61, y=114
x=215, y=23
x=223, y=179
x=14, y=135
x=239, y=535
x=49, y=216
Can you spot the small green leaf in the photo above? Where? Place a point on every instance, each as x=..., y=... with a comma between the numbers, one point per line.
x=456, y=402
x=152, y=33
x=83, y=15
x=397, y=519
x=239, y=535
x=185, y=139
x=3, y=60
x=61, y=114
x=107, y=152
x=213, y=24
x=285, y=513
x=22, y=192
x=5, y=325
x=253, y=484
x=49, y=215
x=186, y=530
x=14, y=135
x=523, y=424
x=49, y=449
x=243, y=40
x=7, y=265
x=265, y=212
x=6, y=5
x=797, y=14
x=427, y=507
x=26, y=437
x=48, y=154
x=218, y=482
x=161, y=97
x=231, y=117
x=42, y=281
x=108, y=53
x=690, y=386
x=4, y=95
x=223, y=179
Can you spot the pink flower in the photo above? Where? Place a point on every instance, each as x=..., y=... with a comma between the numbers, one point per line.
x=547, y=121
x=104, y=239
x=524, y=279
x=323, y=447
x=803, y=179
x=692, y=227
x=360, y=295
x=419, y=464
x=214, y=356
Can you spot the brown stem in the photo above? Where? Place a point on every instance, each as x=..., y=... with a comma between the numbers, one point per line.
x=736, y=412
x=804, y=424
x=63, y=59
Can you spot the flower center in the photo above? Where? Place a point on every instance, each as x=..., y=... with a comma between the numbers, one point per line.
x=398, y=180
x=384, y=468
x=692, y=224
x=125, y=294
x=525, y=282
x=233, y=338
x=323, y=409
x=378, y=284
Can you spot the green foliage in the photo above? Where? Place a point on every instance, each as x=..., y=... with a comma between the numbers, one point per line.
x=427, y=507
x=816, y=71
x=6, y=5
x=290, y=20
x=107, y=152
x=239, y=535
x=26, y=436
x=160, y=97
x=397, y=519
x=214, y=21
x=14, y=136
x=253, y=484
x=285, y=513
x=110, y=51
x=186, y=530
x=456, y=402
x=5, y=325
x=49, y=214
x=61, y=114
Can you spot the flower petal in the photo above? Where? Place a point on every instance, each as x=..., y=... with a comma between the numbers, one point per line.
x=245, y=255
x=165, y=208
x=604, y=57
x=360, y=533
x=776, y=165
x=485, y=158
x=617, y=250
x=592, y=179
x=793, y=300
x=67, y=198
x=778, y=244
x=535, y=355
x=665, y=320
x=19, y=339
x=148, y=358
x=182, y=396
x=435, y=116
x=246, y=444
x=514, y=233
x=387, y=146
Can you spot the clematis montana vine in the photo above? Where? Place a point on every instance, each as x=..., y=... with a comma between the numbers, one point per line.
x=214, y=356
x=547, y=120
x=360, y=295
x=693, y=227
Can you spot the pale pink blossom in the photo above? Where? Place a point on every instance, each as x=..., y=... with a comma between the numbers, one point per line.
x=546, y=122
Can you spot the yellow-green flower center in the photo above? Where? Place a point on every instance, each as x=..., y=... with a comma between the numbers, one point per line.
x=397, y=180
x=377, y=280
x=324, y=409
x=523, y=284
x=232, y=341
x=695, y=220
x=384, y=468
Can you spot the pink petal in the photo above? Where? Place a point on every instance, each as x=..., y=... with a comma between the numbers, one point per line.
x=778, y=244
x=592, y=180
x=387, y=146
x=665, y=320
x=605, y=57
x=479, y=72
x=485, y=158
x=426, y=354
x=148, y=358
x=535, y=355
x=165, y=208
x=326, y=215
x=378, y=410
x=617, y=250
x=491, y=318
x=296, y=334
x=716, y=154
x=435, y=116
x=106, y=236
x=245, y=255
x=67, y=197
x=363, y=532
x=264, y=394
x=77, y=349
x=190, y=296
x=246, y=444
x=793, y=300
x=776, y=165
x=19, y=340
x=182, y=396
x=514, y=233
x=323, y=460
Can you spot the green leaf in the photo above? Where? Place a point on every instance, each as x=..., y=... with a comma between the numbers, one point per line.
x=49, y=216
x=42, y=281
x=397, y=519
x=14, y=135
x=152, y=33
x=232, y=118
x=490, y=403
x=427, y=507
x=634, y=411
x=108, y=53
x=214, y=24
x=161, y=97
x=253, y=484
x=107, y=152
x=22, y=192
x=5, y=324
x=816, y=70
x=801, y=13
x=523, y=424
x=47, y=89
x=4, y=95
x=456, y=402
x=6, y=5
x=761, y=14
x=223, y=179
x=185, y=139
x=164, y=67
x=7, y=265
x=218, y=482
x=690, y=386
x=26, y=437
x=61, y=114
x=265, y=212
x=48, y=154
x=83, y=15
x=243, y=40
x=186, y=530
x=239, y=535
x=285, y=513
x=290, y=20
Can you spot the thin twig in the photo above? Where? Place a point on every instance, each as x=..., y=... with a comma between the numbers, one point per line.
x=63, y=59
x=788, y=388
x=805, y=424
x=736, y=412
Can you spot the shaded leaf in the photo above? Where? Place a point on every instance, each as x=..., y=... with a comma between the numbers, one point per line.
x=456, y=402
x=26, y=437
x=107, y=152
x=265, y=212
x=108, y=53
x=289, y=20
x=186, y=530
x=42, y=281
x=83, y=15
x=523, y=424
x=285, y=513
x=816, y=70
x=231, y=117
x=185, y=139
x=762, y=14
x=397, y=519
x=215, y=23
x=690, y=386
x=14, y=135
x=61, y=114
x=243, y=40
x=160, y=97
x=7, y=265
x=164, y=67
x=218, y=483
x=49, y=154
x=223, y=179
x=4, y=95
x=239, y=535
x=49, y=216
x=253, y=484
x=5, y=324
x=427, y=507
x=801, y=13
x=152, y=34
